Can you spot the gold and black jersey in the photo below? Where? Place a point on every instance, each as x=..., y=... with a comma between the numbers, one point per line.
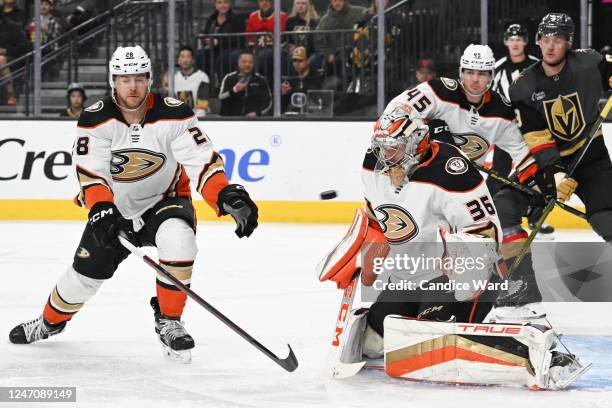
x=557, y=112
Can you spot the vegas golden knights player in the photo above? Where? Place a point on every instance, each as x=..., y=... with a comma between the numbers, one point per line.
x=557, y=99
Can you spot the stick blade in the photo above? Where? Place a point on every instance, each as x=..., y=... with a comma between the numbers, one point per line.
x=289, y=363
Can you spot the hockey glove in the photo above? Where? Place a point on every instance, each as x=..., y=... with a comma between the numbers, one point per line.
x=235, y=201
x=545, y=180
x=565, y=186
x=106, y=221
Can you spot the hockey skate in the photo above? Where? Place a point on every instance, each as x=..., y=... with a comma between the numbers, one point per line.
x=175, y=340
x=34, y=330
x=565, y=369
x=519, y=304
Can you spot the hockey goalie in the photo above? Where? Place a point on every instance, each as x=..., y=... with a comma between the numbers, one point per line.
x=428, y=321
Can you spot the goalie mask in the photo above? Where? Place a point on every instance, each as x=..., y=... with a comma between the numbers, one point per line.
x=129, y=61
x=399, y=144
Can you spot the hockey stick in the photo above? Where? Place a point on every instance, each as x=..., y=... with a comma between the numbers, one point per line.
x=521, y=187
x=341, y=370
x=551, y=203
x=289, y=363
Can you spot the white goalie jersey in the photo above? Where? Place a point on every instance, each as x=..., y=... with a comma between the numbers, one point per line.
x=474, y=128
x=446, y=191
x=136, y=166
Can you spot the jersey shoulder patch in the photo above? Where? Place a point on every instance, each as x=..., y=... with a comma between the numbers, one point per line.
x=585, y=58
x=449, y=170
x=446, y=89
x=171, y=102
x=166, y=108
x=99, y=112
x=524, y=85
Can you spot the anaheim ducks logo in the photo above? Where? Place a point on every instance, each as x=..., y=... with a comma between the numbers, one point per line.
x=564, y=116
x=83, y=253
x=398, y=225
x=472, y=145
x=129, y=165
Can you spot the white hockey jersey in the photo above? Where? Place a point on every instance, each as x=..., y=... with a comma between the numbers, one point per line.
x=135, y=166
x=191, y=89
x=474, y=128
x=445, y=191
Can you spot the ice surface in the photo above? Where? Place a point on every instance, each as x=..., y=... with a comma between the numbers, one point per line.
x=268, y=286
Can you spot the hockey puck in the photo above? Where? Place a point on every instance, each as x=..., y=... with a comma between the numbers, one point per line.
x=328, y=195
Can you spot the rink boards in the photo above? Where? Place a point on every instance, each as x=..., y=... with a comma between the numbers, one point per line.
x=284, y=165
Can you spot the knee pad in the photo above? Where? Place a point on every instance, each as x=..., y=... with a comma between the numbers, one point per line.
x=175, y=240
x=601, y=222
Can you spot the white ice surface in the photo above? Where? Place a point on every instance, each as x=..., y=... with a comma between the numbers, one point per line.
x=267, y=285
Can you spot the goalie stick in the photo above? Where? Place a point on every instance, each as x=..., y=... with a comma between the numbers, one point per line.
x=339, y=369
x=289, y=363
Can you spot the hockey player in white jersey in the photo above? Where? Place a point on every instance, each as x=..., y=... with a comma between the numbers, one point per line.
x=135, y=155
x=425, y=196
x=477, y=117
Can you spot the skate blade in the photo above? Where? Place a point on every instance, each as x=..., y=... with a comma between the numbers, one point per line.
x=579, y=372
x=182, y=357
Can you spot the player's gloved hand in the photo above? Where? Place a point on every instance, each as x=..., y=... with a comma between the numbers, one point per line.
x=565, y=186
x=106, y=221
x=235, y=201
x=545, y=180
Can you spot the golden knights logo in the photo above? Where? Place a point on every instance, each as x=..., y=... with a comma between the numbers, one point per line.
x=129, y=165
x=397, y=223
x=472, y=145
x=564, y=116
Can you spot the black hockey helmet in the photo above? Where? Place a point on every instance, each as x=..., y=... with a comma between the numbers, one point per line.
x=515, y=30
x=75, y=86
x=556, y=24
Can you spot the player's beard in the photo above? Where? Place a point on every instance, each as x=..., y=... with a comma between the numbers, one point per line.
x=130, y=103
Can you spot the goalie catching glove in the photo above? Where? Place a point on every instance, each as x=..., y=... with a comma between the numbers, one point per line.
x=235, y=201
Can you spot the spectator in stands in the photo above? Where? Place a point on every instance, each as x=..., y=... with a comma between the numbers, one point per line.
x=50, y=28
x=244, y=92
x=50, y=25
x=219, y=55
x=303, y=17
x=13, y=12
x=191, y=85
x=13, y=44
x=340, y=15
x=7, y=91
x=305, y=80
x=76, y=100
x=426, y=70
x=262, y=20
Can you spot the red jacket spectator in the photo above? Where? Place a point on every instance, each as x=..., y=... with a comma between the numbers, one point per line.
x=260, y=22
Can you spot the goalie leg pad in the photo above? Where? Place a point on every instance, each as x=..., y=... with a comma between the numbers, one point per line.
x=476, y=354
